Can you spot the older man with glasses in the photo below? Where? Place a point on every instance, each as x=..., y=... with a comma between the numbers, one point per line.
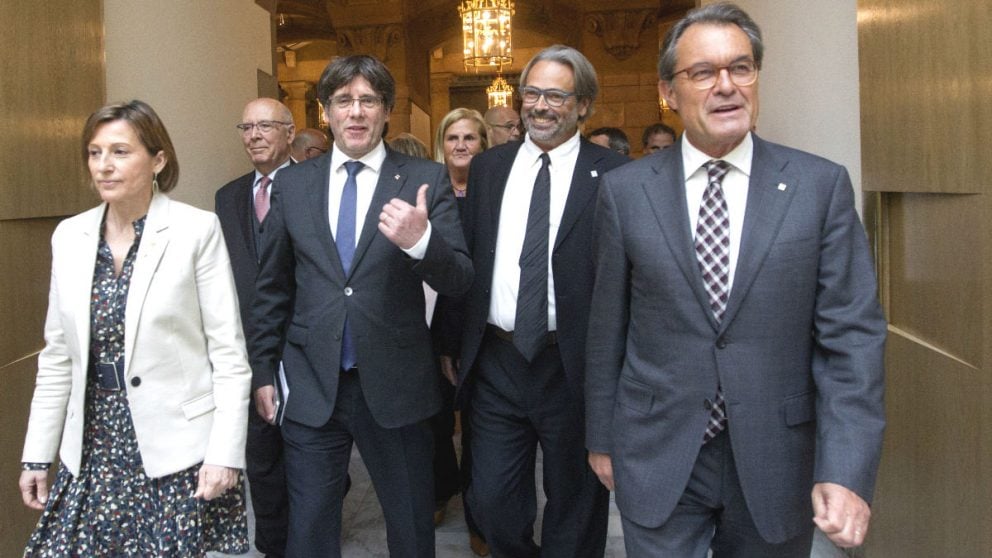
x=502, y=125
x=266, y=130
x=309, y=143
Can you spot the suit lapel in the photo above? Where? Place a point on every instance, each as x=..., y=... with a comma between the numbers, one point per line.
x=245, y=212
x=500, y=174
x=317, y=191
x=585, y=178
x=666, y=194
x=82, y=280
x=767, y=205
x=154, y=240
x=392, y=179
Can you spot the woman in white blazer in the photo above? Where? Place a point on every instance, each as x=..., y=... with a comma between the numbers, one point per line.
x=143, y=383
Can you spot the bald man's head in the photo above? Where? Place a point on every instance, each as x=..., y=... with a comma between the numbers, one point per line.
x=267, y=139
x=502, y=125
x=309, y=143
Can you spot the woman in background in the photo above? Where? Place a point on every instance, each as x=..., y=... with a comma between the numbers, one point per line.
x=460, y=136
x=142, y=386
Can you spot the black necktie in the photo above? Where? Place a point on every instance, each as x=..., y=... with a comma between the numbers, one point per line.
x=530, y=330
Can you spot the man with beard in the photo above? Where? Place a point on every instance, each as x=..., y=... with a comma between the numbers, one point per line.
x=526, y=315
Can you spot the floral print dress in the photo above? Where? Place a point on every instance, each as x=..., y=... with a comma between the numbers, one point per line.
x=112, y=508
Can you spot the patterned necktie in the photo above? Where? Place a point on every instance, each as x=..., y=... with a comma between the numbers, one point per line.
x=713, y=256
x=262, y=198
x=344, y=238
x=530, y=330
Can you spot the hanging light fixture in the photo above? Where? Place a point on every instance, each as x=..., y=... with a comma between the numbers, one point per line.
x=500, y=94
x=486, y=33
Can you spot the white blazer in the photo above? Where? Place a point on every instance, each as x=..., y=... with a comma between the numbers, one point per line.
x=185, y=366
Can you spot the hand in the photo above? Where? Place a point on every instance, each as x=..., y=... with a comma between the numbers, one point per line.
x=214, y=480
x=265, y=403
x=602, y=465
x=841, y=514
x=402, y=223
x=34, y=489
x=449, y=367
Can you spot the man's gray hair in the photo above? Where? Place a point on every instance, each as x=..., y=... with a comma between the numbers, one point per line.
x=586, y=84
x=723, y=13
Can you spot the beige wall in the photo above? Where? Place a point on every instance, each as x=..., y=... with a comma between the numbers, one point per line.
x=195, y=62
x=809, y=79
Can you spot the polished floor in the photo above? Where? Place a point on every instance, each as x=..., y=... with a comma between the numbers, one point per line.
x=364, y=531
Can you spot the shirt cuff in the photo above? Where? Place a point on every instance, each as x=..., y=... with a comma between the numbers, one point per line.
x=419, y=250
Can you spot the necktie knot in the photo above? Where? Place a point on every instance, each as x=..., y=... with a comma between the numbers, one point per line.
x=353, y=167
x=545, y=160
x=716, y=169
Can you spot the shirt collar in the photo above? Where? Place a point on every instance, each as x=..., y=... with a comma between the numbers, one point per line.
x=271, y=175
x=739, y=157
x=373, y=159
x=566, y=149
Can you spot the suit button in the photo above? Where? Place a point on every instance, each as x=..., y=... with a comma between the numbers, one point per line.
x=136, y=381
x=348, y=291
x=721, y=343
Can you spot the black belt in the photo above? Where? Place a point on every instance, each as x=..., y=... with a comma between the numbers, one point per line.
x=109, y=375
x=508, y=335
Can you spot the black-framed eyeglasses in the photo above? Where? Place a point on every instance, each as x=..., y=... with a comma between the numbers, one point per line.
x=366, y=101
x=509, y=126
x=704, y=76
x=315, y=148
x=264, y=126
x=554, y=97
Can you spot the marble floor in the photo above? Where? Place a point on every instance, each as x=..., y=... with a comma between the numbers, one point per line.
x=364, y=531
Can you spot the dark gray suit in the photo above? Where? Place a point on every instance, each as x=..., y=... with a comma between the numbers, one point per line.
x=798, y=353
x=303, y=297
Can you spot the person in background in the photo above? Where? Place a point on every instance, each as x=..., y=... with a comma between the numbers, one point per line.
x=142, y=385
x=409, y=144
x=266, y=130
x=502, y=125
x=460, y=136
x=735, y=363
x=657, y=137
x=612, y=138
x=308, y=143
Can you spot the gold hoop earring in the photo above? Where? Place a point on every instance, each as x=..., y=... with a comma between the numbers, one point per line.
x=155, y=182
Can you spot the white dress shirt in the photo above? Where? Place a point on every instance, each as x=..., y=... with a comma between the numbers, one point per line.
x=366, y=179
x=735, y=186
x=513, y=226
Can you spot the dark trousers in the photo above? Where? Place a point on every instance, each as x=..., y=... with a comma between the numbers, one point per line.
x=399, y=464
x=712, y=513
x=450, y=477
x=515, y=407
x=266, y=470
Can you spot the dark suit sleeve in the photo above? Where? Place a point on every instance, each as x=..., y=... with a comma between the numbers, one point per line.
x=275, y=289
x=849, y=330
x=446, y=266
x=608, y=317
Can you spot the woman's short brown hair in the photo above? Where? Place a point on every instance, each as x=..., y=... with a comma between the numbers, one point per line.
x=149, y=129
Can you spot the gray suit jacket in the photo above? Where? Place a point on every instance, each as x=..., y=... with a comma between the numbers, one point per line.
x=798, y=354
x=303, y=296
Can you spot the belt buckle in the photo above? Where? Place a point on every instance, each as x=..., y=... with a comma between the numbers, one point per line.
x=107, y=376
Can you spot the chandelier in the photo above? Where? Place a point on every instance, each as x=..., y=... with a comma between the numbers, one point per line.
x=486, y=33
x=500, y=94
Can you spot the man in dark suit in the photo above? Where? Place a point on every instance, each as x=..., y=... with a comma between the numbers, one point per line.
x=525, y=319
x=349, y=240
x=266, y=131
x=735, y=358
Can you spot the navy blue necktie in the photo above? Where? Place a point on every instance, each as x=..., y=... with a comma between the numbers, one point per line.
x=530, y=330
x=344, y=238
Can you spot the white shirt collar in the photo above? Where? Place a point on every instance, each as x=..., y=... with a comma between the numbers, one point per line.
x=373, y=159
x=739, y=157
x=566, y=149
